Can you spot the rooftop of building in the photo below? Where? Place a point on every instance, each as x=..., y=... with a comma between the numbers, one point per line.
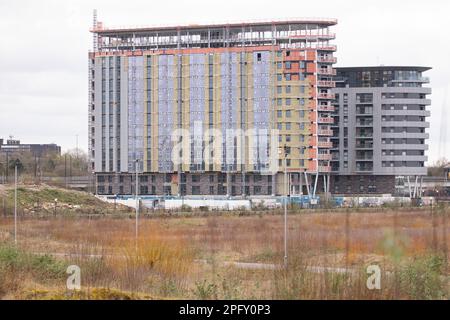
x=321, y=22
x=383, y=68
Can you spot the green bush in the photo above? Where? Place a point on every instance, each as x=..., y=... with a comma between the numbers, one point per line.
x=205, y=290
x=423, y=278
x=40, y=266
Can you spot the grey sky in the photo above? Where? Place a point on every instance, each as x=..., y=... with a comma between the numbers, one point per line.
x=44, y=45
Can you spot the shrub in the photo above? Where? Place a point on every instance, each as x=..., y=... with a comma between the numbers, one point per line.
x=422, y=279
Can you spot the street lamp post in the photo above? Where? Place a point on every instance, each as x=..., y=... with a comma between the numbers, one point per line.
x=137, y=201
x=286, y=185
x=56, y=204
x=284, y=151
x=15, y=204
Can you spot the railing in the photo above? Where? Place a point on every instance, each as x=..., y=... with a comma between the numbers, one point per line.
x=325, y=144
x=328, y=48
x=324, y=156
x=326, y=96
x=364, y=124
x=325, y=108
x=324, y=169
x=327, y=59
x=325, y=132
x=325, y=83
x=311, y=36
x=326, y=120
x=328, y=72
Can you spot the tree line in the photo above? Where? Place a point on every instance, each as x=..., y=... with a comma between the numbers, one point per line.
x=70, y=163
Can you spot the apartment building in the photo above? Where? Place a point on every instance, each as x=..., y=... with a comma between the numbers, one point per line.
x=380, y=126
x=218, y=109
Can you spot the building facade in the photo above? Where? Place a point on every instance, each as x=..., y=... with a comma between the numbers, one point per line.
x=380, y=126
x=13, y=147
x=223, y=109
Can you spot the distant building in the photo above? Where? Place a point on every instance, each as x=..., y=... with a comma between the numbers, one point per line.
x=38, y=150
x=379, y=129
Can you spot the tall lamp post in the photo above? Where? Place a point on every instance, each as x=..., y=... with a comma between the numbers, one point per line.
x=15, y=203
x=284, y=153
x=137, y=201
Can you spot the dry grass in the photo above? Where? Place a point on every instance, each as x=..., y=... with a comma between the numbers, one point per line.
x=167, y=259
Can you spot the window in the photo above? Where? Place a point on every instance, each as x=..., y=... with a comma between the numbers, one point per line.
x=288, y=138
x=288, y=77
x=288, y=65
x=279, y=113
x=288, y=101
x=288, y=126
x=288, y=113
x=211, y=190
x=279, y=89
x=258, y=56
x=288, y=89
x=195, y=190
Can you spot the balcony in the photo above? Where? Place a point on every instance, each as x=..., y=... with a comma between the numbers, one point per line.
x=364, y=146
x=327, y=59
x=326, y=108
x=423, y=113
x=327, y=133
x=364, y=123
x=324, y=169
x=327, y=72
x=364, y=158
x=328, y=48
x=329, y=96
x=327, y=36
x=324, y=156
x=413, y=135
x=328, y=120
x=419, y=79
x=326, y=84
x=325, y=144
x=405, y=123
x=364, y=135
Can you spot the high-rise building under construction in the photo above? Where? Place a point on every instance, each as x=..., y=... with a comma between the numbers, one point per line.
x=218, y=109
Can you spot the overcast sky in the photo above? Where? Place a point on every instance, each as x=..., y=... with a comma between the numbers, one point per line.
x=44, y=46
